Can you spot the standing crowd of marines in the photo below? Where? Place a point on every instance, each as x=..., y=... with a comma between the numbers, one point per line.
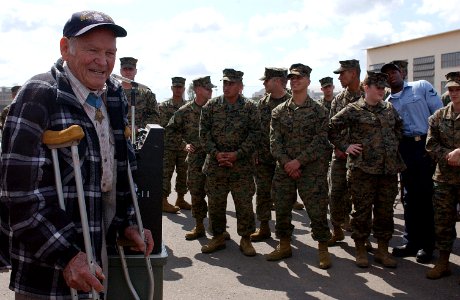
x=350, y=153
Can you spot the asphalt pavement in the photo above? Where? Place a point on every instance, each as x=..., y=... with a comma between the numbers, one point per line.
x=228, y=274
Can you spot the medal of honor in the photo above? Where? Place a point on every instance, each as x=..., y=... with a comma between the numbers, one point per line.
x=99, y=116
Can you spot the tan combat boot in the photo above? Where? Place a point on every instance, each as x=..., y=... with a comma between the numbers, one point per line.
x=441, y=268
x=181, y=203
x=262, y=233
x=383, y=257
x=324, y=257
x=197, y=232
x=246, y=246
x=337, y=235
x=298, y=206
x=283, y=250
x=361, y=254
x=216, y=243
x=168, y=207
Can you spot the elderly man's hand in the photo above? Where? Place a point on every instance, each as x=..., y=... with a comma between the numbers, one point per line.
x=77, y=274
x=132, y=234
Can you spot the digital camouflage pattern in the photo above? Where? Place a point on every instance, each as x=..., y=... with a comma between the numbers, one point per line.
x=184, y=125
x=265, y=169
x=174, y=152
x=372, y=175
x=325, y=104
x=147, y=111
x=377, y=128
x=373, y=198
x=226, y=127
x=300, y=132
x=443, y=137
x=339, y=197
x=3, y=115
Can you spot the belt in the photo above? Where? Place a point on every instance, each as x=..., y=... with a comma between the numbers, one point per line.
x=416, y=138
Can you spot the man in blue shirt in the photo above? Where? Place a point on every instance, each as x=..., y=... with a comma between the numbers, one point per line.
x=415, y=103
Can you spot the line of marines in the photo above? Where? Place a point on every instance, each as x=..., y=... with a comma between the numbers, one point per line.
x=352, y=152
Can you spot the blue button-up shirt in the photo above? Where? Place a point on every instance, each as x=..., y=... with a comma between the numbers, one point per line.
x=415, y=104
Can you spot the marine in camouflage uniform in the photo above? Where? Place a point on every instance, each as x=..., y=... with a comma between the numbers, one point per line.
x=443, y=145
x=229, y=132
x=174, y=150
x=445, y=98
x=275, y=80
x=340, y=201
x=184, y=125
x=6, y=109
x=374, y=130
x=327, y=87
x=298, y=142
x=146, y=103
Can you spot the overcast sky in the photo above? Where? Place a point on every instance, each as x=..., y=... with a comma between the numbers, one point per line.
x=192, y=38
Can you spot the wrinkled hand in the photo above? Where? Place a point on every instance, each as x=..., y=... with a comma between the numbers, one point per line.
x=78, y=276
x=132, y=234
x=354, y=149
x=292, y=168
x=340, y=154
x=453, y=158
x=189, y=148
x=226, y=159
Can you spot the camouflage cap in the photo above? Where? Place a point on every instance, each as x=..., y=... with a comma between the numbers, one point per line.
x=299, y=69
x=274, y=72
x=204, y=82
x=347, y=65
x=128, y=62
x=232, y=75
x=389, y=66
x=83, y=21
x=178, y=81
x=402, y=64
x=326, y=81
x=378, y=79
x=453, y=79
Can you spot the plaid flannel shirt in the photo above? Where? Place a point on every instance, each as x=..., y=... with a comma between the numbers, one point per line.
x=44, y=237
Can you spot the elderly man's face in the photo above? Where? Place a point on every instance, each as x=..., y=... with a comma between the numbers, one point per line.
x=91, y=56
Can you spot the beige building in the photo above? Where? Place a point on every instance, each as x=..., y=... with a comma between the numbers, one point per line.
x=430, y=57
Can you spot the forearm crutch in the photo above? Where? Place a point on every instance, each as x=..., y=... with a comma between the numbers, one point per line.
x=62, y=139
x=122, y=242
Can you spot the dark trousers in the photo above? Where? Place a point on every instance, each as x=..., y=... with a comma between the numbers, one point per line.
x=418, y=185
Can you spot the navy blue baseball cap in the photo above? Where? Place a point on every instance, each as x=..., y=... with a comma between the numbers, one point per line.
x=83, y=21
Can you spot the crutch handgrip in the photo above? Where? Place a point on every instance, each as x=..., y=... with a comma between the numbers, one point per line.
x=63, y=138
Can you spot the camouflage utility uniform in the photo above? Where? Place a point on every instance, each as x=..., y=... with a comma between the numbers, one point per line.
x=184, y=126
x=340, y=202
x=174, y=152
x=444, y=137
x=226, y=127
x=300, y=132
x=265, y=169
x=372, y=175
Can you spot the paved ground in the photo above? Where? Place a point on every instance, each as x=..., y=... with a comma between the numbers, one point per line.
x=227, y=274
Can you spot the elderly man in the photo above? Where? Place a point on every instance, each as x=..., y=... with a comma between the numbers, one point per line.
x=47, y=242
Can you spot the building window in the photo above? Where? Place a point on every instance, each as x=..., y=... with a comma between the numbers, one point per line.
x=443, y=87
x=376, y=67
x=424, y=68
x=450, y=60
